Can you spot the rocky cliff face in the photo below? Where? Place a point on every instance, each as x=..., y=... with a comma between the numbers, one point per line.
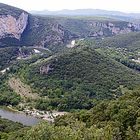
x=110, y=28
x=45, y=32
x=12, y=27
x=19, y=28
x=98, y=28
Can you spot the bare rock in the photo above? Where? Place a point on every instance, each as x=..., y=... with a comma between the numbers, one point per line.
x=12, y=27
x=45, y=69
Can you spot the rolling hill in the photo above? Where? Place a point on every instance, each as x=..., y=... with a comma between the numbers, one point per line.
x=123, y=48
x=74, y=79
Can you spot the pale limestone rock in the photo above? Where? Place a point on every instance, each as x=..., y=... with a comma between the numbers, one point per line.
x=12, y=27
x=125, y=31
x=110, y=24
x=115, y=30
x=45, y=69
x=100, y=33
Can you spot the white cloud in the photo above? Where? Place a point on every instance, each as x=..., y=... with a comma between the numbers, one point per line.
x=117, y=5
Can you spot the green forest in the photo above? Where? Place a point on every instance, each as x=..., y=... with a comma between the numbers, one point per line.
x=108, y=120
x=89, y=90
x=100, y=93
x=78, y=79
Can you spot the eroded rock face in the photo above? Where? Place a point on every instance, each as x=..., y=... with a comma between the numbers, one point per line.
x=45, y=69
x=110, y=28
x=12, y=27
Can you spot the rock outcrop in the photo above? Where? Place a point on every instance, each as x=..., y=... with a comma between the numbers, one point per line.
x=12, y=27
x=110, y=28
x=45, y=69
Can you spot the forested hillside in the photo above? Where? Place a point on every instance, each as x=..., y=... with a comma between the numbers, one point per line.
x=109, y=120
x=123, y=48
x=76, y=79
x=7, y=55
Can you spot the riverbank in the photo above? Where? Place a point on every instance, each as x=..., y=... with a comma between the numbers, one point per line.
x=44, y=115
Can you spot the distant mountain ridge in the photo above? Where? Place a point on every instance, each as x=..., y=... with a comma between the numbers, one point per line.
x=87, y=12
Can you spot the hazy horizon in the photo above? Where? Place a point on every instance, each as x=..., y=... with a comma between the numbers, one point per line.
x=53, y=5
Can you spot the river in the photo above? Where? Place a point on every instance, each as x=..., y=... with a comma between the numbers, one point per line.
x=19, y=117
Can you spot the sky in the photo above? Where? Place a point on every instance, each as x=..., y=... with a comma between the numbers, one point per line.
x=113, y=5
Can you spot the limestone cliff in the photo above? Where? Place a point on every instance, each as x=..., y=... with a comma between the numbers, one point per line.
x=97, y=27
x=111, y=28
x=12, y=27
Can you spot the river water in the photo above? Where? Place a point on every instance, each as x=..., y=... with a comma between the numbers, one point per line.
x=19, y=117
